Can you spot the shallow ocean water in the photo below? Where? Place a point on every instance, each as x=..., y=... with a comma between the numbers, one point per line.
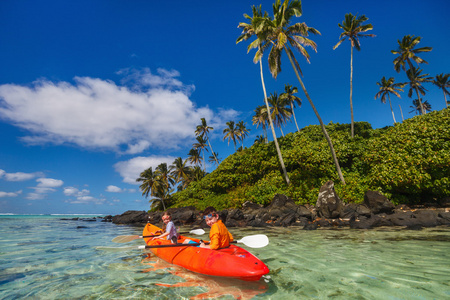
x=44, y=257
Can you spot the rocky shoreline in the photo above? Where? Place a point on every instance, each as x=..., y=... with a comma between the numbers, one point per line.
x=329, y=212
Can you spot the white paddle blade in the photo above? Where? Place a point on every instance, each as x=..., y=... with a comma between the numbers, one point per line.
x=125, y=238
x=255, y=241
x=197, y=231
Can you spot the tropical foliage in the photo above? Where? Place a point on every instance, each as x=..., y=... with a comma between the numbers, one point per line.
x=257, y=28
x=409, y=163
x=443, y=82
x=387, y=87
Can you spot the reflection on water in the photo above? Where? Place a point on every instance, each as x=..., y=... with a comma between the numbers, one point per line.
x=46, y=258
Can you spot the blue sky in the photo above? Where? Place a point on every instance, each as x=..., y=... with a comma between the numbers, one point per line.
x=92, y=92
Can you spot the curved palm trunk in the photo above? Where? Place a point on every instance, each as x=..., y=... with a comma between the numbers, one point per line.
x=420, y=102
x=292, y=107
x=271, y=127
x=351, y=91
x=445, y=98
x=401, y=111
x=390, y=104
x=325, y=133
x=215, y=158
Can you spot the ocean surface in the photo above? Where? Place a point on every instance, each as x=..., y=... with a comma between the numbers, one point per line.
x=44, y=257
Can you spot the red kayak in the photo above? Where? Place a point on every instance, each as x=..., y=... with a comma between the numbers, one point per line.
x=231, y=262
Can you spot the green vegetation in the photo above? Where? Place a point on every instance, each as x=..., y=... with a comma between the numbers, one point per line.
x=409, y=163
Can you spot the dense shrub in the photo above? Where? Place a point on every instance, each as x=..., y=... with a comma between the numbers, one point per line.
x=408, y=162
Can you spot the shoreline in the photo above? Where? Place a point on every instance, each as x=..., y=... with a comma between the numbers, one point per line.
x=376, y=211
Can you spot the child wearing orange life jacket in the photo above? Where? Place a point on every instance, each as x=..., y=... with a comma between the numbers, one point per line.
x=219, y=235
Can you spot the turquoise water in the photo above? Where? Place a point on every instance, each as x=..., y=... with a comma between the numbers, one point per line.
x=43, y=257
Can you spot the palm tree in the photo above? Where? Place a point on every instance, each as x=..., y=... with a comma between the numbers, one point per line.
x=278, y=110
x=231, y=133
x=194, y=157
x=386, y=88
x=260, y=119
x=201, y=144
x=418, y=106
x=255, y=28
x=149, y=182
x=288, y=94
x=353, y=30
x=282, y=37
x=407, y=52
x=443, y=82
x=214, y=158
x=180, y=172
x=165, y=182
x=416, y=79
x=203, y=130
x=259, y=140
x=243, y=131
x=197, y=173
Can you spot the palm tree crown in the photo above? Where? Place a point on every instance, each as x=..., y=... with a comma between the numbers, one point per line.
x=406, y=52
x=387, y=87
x=278, y=110
x=203, y=130
x=291, y=100
x=443, y=82
x=231, y=133
x=416, y=81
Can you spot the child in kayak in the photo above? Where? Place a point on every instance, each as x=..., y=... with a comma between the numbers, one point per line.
x=219, y=235
x=171, y=231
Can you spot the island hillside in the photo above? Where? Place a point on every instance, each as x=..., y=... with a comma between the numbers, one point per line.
x=409, y=163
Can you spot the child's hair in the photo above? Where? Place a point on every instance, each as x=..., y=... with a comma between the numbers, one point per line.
x=209, y=210
x=166, y=213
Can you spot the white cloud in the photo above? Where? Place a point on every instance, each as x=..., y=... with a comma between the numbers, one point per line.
x=81, y=197
x=113, y=189
x=18, y=176
x=44, y=187
x=98, y=114
x=10, y=194
x=130, y=169
x=49, y=182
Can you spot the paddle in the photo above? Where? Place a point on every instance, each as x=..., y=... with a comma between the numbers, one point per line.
x=252, y=241
x=129, y=238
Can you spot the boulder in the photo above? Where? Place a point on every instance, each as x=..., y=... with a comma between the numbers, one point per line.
x=329, y=205
x=426, y=218
x=363, y=210
x=349, y=211
x=184, y=215
x=378, y=203
x=131, y=217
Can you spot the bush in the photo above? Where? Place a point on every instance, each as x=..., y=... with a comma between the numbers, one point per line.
x=408, y=162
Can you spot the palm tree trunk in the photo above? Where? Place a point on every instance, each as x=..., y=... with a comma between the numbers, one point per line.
x=271, y=127
x=265, y=135
x=212, y=150
x=445, y=98
x=351, y=91
x=401, y=112
x=204, y=161
x=390, y=104
x=295, y=120
x=325, y=133
x=420, y=102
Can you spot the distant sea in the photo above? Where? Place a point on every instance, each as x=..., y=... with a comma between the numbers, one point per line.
x=45, y=257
